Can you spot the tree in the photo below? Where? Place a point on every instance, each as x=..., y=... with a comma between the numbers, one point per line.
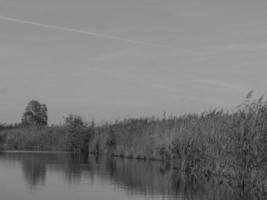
x=79, y=133
x=35, y=114
x=74, y=121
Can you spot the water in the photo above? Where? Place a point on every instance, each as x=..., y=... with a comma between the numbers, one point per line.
x=45, y=176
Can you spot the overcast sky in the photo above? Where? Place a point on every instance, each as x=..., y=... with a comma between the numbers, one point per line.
x=111, y=59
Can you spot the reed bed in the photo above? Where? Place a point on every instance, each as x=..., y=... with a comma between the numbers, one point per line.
x=221, y=146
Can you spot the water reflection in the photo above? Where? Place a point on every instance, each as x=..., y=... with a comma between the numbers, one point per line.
x=34, y=171
x=145, y=178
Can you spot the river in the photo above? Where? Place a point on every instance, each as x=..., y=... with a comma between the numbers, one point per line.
x=63, y=176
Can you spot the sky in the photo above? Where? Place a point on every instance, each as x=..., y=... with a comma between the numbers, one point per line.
x=116, y=59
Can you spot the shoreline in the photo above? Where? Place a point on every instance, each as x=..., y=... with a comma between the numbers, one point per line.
x=90, y=154
x=28, y=151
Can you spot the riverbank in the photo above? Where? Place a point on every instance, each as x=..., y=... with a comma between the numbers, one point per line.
x=230, y=146
x=37, y=152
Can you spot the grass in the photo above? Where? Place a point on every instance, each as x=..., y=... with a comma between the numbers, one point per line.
x=36, y=138
x=227, y=148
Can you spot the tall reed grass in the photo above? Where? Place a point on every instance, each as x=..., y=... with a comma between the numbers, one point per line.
x=227, y=147
x=221, y=146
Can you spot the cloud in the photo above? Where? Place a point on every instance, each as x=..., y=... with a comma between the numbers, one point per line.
x=175, y=51
x=217, y=83
x=84, y=32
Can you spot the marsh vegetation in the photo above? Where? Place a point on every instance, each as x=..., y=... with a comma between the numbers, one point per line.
x=222, y=147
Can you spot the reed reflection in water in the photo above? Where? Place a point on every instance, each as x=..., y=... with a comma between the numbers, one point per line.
x=68, y=176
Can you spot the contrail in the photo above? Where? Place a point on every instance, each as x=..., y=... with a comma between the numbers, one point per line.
x=95, y=34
